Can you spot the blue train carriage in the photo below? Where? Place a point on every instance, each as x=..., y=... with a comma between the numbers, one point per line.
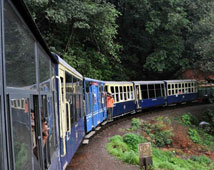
x=95, y=103
x=179, y=91
x=27, y=93
x=124, y=97
x=71, y=112
x=149, y=94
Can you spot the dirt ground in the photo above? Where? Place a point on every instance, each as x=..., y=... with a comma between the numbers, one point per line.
x=94, y=156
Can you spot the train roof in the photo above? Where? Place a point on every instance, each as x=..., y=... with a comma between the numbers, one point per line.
x=179, y=81
x=26, y=16
x=148, y=82
x=118, y=82
x=94, y=80
x=65, y=64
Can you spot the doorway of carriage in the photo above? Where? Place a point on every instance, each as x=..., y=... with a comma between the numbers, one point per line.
x=102, y=102
x=138, y=95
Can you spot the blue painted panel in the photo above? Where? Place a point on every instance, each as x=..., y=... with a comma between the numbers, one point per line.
x=124, y=107
x=147, y=103
x=182, y=98
x=95, y=107
x=74, y=140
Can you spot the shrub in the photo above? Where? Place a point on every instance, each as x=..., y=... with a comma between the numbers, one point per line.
x=186, y=118
x=131, y=157
x=132, y=140
x=193, y=134
x=135, y=124
x=201, y=159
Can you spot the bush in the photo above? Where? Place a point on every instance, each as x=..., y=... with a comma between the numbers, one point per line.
x=135, y=124
x=131, y=157
x=186, y=118
x=132, y=140
x=201, y=159
x=193, y=134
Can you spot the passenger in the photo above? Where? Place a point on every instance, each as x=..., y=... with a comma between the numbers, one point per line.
x=45, y=130
x=110, y=104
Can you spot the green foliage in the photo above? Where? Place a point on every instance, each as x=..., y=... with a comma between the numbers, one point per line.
x=132, y=140
x=161, y=159
x=186, y=118
x=201, y=159
x=194, y=136
x=135, y=124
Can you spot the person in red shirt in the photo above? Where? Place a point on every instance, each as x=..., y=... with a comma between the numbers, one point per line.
x=110, y=105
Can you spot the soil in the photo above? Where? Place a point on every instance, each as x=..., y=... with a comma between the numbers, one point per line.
x=94, y=156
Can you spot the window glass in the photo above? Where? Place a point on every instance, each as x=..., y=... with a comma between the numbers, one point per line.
x=168, y=86
x=151, y=91
x=44, y=70
x=163, y=89
x=75, y=83
x=124, y=90
x=19, y=60
x=117, y=93
x=69, y=99
x=112, y=89
x=128, y=92
x=158, y=90
x=1, y=135
x=144, y=91
x=121, y=93
x=172, y=86
x=22, y=141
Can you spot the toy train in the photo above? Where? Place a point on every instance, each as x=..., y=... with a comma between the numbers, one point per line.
x=47, y=107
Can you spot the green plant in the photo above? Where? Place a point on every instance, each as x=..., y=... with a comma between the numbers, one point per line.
x=132, y=140
x=135, y=124
x=186, y=118
x=201, y=159
x=194, y=136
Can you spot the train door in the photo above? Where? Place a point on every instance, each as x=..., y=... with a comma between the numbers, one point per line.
x=103, y=102
x=62, y=116
x=100, y=103
x=88, y=107
x=137, y=88
x=22, y=118
x=95, y=107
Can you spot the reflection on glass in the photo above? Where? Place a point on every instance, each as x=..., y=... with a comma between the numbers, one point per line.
x=22, y=141
x=44, y=71
x=1, y=137
x=19, y=52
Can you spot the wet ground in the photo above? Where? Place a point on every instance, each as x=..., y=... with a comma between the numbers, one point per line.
x=94, y=156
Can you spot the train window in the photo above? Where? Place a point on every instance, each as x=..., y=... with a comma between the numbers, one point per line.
x=168, y=86
x=132, y=95
x=125, y=95
x=128, y=92
x=144, y=91
x=182, y=85
x=179, y=85
x=158, y=90
x=169, y=92
x=182, y=90
x=172, y=86
x=151, y=91
x=173, y=92
x=106, y=88
x=121, y=93
x=176, y=91
x=176, y=85
x=20, y=123
x=44, y=70
x=117, y=93
x=87, y=88
x=19, y=61
x=112, y=89
x=186, y=85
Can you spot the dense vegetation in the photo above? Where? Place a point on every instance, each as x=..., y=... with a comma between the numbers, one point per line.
x=129, y=39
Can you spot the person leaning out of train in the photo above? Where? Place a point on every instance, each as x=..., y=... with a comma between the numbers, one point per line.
x=110, y=105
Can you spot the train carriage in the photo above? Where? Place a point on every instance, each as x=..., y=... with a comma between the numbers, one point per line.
x=124, y=97
x=149, y=94
x=95, y=103
x=179, y=91
x=70, y=106
x=27, y=94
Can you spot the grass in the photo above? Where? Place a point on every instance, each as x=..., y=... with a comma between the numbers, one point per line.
x=162, y=160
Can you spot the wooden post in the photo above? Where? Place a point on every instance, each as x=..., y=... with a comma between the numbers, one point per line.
x=145, y=155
